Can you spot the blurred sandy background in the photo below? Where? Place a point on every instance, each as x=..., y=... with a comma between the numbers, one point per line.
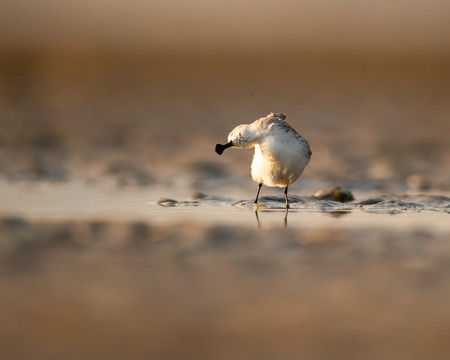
x=143, y=91
x=137, y=94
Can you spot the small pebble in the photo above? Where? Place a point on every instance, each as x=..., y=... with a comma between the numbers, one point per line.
x=335, y=194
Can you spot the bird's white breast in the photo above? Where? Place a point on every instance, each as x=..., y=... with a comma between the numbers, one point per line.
x=280, y=158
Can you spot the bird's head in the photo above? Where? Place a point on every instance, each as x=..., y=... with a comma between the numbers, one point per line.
x=241, y=137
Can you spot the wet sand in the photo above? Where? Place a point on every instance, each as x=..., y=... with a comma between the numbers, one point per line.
x=102, y=290
x=112, y=290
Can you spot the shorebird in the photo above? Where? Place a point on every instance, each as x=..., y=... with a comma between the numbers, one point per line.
x=281, y=154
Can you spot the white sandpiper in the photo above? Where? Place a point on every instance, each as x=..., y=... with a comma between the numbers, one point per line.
x=281, y=154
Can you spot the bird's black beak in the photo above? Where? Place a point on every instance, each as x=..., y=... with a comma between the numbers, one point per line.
x=220, y=148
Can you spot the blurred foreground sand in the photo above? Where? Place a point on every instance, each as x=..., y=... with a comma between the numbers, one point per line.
x=115, y=290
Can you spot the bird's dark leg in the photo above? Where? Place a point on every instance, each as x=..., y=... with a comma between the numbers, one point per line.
x=286, y=197
x=257, y=194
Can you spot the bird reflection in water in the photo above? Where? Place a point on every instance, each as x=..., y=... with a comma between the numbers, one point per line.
x=259, y=221
x=337, y=214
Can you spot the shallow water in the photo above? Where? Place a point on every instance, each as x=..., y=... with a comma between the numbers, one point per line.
x=93, y=272
x=77, y=201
